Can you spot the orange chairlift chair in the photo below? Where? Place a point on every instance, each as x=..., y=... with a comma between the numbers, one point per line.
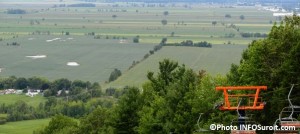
x=288, y=116
x=242, y=102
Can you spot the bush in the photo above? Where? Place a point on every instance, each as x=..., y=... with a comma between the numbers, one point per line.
x=146, y=56
x=136, y=39
x=2, y=121
x=114, y=75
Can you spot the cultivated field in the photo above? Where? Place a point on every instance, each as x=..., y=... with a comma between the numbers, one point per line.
x=23, y=127
x=215, y=60
x=47, y=52
x=47, y=56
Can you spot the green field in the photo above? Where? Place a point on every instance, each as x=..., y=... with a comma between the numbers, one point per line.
x=98, y=57
x=146, y=22
x=23, y=127
x=12, y=98
x=215, y=60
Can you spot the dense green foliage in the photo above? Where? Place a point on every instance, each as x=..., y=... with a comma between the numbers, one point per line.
x=114, y=75
x=170, y=101
x=59, y=124
x=274, y=62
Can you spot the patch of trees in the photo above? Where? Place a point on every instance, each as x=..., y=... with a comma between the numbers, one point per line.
x=106, y=36
x=227, y=16
x=75, y=90
x=242, y=17
x=257, y=35
x=112, y=10
x=190, y=43
x=82, y=5
x=60, y=5
x=38, y=32
x=214, y=23
x=20, y=110
x=114, y=16
x=136, y=39
x=114, y=75
x=230, y=35
x=13, y=44
x=16, y=11
x=33, y=22
x=164, y=22
x=233, y=26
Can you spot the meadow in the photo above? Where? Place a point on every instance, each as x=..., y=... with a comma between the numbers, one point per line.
x=12, y=98
x=23, y=127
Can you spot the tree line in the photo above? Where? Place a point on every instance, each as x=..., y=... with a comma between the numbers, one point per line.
x=190, y=43
x=16, y=11
x=49, y=88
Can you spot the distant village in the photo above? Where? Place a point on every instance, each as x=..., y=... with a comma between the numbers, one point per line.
x=30, y=92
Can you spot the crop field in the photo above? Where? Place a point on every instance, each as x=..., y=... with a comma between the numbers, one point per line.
x=23, y=127
x=45, y=50
x=12, y=98
x=193, y=23
x=97, y=58
x=215, y=61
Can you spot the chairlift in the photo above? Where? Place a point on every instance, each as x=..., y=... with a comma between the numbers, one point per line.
x=200, y=129
x=288, y=116
x=242, y=120
x=234, y=102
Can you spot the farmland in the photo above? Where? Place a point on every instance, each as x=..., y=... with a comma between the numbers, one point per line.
x=216, y=60
x=98, y=57
x=23, y=127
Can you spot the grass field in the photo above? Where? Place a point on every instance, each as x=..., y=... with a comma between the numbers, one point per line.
x=215, y=60
x=23, y=127
x=12, y=98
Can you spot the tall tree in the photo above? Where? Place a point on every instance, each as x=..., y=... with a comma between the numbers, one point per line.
x=168, y=96
x=60, y=124
x=96, y=122
x=126, y=112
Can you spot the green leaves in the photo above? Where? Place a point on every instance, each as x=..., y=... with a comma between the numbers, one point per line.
x=274, y=62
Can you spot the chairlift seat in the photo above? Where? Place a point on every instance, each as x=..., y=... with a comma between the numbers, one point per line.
x=286, y=132
x=243, y=132
x=296, y=124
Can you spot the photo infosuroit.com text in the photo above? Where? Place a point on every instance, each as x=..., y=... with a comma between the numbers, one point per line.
x=218, y=127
